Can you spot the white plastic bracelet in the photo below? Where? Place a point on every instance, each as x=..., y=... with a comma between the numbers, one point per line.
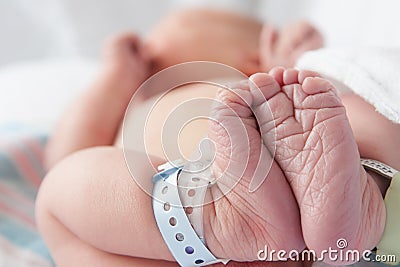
x=379, y=168
x=192, y=192
x=178, y=234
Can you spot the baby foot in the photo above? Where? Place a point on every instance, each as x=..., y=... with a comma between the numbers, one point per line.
x=243, y=222
x=125, y=62
x=316, y=149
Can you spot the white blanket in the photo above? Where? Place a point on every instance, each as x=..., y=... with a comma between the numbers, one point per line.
x=372, y=73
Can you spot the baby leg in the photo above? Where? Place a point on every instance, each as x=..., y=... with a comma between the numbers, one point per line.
x=89, y=210
x=92, y=199
x=92, y=213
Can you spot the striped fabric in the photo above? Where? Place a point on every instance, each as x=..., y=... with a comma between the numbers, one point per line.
x=21, y=171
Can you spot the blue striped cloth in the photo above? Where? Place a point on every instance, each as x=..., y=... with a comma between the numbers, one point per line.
x=21, y=172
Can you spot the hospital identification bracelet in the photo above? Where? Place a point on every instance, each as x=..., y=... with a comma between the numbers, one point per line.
x=185, y=245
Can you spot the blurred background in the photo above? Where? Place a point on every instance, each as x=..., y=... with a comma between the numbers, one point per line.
x=49, y=53
x=49, y=48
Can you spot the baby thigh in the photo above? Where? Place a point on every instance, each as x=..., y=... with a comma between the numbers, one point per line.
x=92, y=213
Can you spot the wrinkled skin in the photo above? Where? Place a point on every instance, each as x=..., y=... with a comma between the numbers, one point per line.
x=242, y=221
x=315, y=151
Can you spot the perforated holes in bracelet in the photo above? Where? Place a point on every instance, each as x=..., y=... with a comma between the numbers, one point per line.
x=173, y=222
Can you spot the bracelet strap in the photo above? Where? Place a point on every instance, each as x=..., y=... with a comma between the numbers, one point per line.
x=379, y=168
x=192, y=192
x=389, y=243
x=193, y=183
x=178, y=234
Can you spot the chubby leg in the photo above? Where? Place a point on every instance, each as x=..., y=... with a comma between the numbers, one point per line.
x=318, y=153
x=92, y=213
x=90, y=209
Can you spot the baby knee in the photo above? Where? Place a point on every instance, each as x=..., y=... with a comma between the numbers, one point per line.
x=69, y=181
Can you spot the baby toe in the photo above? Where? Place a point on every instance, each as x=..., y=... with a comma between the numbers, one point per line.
x=277, y=73
x=262, y=87
x=290, y=76
x=303, y=74
x=316, y=85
